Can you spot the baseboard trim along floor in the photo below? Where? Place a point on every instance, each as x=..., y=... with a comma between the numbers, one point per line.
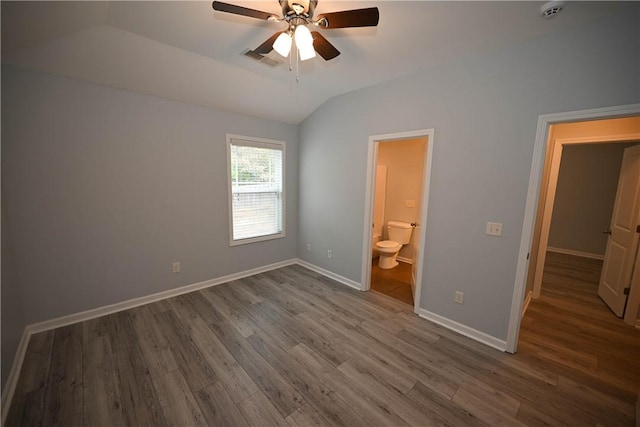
x=47, y=325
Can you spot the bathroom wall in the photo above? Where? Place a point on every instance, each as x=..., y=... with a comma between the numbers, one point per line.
x=405, y=170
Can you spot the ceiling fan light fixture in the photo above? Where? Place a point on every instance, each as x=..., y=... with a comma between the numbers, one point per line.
x=282, y=45
x=307, y=52
x=304, y=42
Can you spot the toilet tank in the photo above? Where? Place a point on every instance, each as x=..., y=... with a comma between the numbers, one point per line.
x=399, y=231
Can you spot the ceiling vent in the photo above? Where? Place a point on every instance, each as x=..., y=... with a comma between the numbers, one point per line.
x=271, y=59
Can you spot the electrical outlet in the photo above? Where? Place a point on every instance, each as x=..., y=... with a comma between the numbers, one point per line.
x=329, y=254
x=308, y=247
x=494, y=229
x=459, y=298
x=175, y=267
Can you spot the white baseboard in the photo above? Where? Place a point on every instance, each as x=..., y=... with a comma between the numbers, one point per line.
x=474, y=334
x=575, y=253
x=136, y=302
x=9, y=390
x=14, y=374
x=405, y=260
x=351, y=283
x=526, y=303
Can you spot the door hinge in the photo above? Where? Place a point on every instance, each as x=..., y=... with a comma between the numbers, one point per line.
x=528, y=255
x=626, y=291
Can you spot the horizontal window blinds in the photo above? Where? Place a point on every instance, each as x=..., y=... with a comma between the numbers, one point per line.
x=256, y=175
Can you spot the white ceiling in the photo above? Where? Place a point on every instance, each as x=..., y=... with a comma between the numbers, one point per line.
x=187, y=52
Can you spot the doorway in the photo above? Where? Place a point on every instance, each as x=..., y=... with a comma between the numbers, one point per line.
x=531, y=246
x=403, y=207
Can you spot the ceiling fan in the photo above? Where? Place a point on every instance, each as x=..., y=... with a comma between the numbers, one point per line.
x=298, y=14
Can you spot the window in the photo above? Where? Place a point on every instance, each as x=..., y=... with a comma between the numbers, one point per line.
x=256, y=189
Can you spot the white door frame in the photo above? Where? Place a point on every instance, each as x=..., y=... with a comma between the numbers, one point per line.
x=372, y=159
x=558, y=150
x=533, y=192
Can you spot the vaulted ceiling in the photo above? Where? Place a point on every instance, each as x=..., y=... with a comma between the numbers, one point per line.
x=187, y=52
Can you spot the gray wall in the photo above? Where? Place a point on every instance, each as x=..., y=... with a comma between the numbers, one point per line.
x=105, y=188
x=586, y=191
x=12, y=305
x=484, y=111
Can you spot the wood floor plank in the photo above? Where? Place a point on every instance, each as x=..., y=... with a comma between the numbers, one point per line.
x=488, y=404
x=218, y=407
x=64, y=394
x=441, y=411
x=37, y=361
x=307, y=416
x=396, y=370
x=394, y=400
x=153, y=343
x=28, y=401
x=372, y=411
x=259, y=411
x=188, y=356
x=280, y=392
x=229, y=305
x=101, y=393
x=178, y=403
x=308, y=385
x=232, y=376
x=291, y=347
x=139, y=401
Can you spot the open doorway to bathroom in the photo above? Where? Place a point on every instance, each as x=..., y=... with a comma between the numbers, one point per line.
x=397, y=193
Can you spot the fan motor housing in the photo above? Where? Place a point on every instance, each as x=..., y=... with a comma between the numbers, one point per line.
x=292, y=8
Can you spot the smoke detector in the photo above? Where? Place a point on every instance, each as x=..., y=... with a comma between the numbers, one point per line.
x=551, y=9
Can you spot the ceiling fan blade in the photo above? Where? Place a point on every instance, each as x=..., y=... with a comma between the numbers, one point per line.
x=267, y=46
x=323, y=47
x=350, y=18
x=239, y=10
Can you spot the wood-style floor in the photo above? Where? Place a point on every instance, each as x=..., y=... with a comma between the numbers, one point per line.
x=293, y=348
x=394, y=282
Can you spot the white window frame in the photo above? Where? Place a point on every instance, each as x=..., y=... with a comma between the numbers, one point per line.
x=260, y=143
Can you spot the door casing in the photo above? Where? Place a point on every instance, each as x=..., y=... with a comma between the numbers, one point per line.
x=372, y=158
x=533, y=194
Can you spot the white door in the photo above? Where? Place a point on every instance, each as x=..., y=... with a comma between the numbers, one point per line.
x=622, y=245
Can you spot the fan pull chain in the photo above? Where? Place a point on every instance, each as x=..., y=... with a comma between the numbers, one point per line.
x=297, y=66
x=290, y=61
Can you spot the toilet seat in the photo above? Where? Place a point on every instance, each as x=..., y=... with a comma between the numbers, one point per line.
x=387, y=244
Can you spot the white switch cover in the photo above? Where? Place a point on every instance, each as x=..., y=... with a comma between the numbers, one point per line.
x=175, y=267
x=494, y=229
x=410, y=203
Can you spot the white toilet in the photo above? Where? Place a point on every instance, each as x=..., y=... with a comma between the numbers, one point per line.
x=399, y=234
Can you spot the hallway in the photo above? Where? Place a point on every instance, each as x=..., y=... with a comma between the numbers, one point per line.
x=585, y=349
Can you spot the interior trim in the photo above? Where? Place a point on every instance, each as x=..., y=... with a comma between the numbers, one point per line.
x=351, y=283
x=467, y=331
x=575, y=253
